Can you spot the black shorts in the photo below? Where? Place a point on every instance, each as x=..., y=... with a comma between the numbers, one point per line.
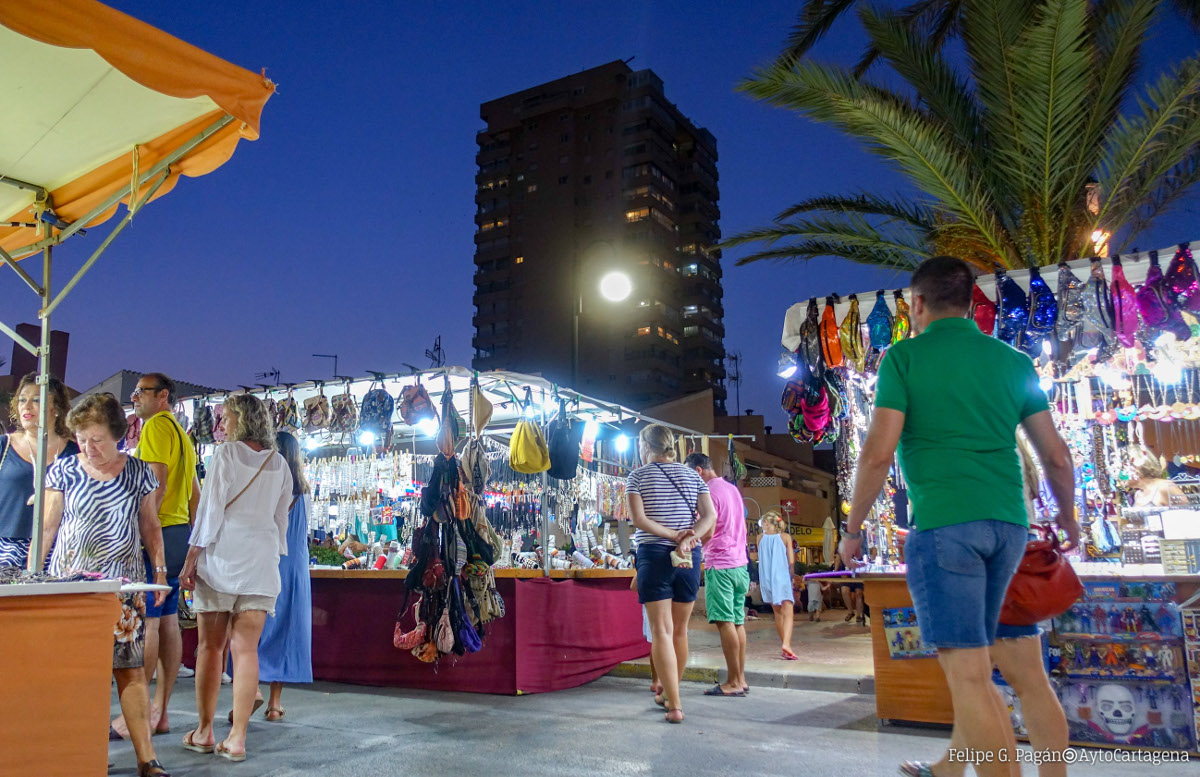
x=658, y=580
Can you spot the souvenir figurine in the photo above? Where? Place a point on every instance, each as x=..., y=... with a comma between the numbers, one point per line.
x=1146, y=620
x=1093, y=657
x=1101, y=620
x=1079, y=661
x=1150, y=659
x=1166, y=620
x=1111, y=657
x=1166, y=658
x=1129, y=620
x=1115, y=623
x=1012, y=309
x=1152, y=697
x=1085, y=619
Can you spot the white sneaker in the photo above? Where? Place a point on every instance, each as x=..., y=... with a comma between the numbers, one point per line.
x=225, y=678
x=185, y=672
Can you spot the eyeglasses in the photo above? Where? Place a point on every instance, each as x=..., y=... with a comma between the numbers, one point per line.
x=137, y=392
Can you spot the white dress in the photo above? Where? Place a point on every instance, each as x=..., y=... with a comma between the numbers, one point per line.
x=242, y=544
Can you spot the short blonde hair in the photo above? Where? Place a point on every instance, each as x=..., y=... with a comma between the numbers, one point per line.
x=252, y=423
x=659, y=440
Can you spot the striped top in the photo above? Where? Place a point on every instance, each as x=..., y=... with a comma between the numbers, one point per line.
x=100, y=530
x=669, y=494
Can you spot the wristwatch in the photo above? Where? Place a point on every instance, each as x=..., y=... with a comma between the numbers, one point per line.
x=850, y=535
x=157, y=570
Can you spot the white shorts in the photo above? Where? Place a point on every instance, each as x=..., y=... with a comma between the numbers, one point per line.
x=207, y=599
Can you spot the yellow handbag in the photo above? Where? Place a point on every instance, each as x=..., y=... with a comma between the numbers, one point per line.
x=528, y=452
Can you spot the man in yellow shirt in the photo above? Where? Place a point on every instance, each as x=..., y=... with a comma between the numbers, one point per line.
x=167, y=449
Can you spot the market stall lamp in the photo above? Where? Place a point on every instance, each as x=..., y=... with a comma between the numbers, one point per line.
x=1165, y=338
x=1046, y=384
x=428, y=427
x=1167, y=371
x=616, y=286
x=312, y=443
x=622, y=443
x=366, y=438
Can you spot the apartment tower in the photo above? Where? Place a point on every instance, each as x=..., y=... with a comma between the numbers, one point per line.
x=578, y=178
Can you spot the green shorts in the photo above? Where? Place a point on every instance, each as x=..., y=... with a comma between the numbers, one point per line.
x=725, y=594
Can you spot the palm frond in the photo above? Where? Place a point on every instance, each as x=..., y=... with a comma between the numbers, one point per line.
x=934, y=19
x=815, y=19
x=1189, y=10
x=879, y=256
x=1053, y=75
x=1140, y=150
x=865, y=203
x=1171, y=188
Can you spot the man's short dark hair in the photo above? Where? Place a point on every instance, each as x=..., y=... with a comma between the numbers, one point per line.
x=945, y=282
x=163, y=382
x=695, y=460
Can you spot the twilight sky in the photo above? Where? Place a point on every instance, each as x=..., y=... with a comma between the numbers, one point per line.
x=347, y=228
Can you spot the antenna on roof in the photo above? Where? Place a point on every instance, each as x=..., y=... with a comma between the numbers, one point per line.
x=436, y=356
x=627, y=61
x=273, y=374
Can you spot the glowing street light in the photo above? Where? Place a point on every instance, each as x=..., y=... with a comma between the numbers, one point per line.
x=616, y=286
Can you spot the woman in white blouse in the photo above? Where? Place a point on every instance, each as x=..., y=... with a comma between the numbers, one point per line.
x=233, y=565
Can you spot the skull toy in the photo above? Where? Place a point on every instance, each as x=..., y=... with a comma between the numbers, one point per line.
x=1116, y=707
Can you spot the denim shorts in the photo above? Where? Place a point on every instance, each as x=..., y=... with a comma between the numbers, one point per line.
x=170, y=605
x=658, y=580
x=958, y=576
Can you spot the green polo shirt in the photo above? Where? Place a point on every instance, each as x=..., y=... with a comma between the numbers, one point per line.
x=963, y=394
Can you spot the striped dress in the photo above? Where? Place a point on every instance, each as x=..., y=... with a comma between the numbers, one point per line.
x=99, y=530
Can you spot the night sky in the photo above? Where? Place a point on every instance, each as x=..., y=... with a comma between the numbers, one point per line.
x=347, y=227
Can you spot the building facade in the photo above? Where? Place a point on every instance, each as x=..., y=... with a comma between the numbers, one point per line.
x=577, y=178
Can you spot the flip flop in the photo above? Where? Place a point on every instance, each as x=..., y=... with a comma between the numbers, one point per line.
x=113, y=736
x=189, y=744
x=849, y=617
x=916, y=769
x=787, y=655
x=717, y=690
x=225, y=752
x=278, y=710
x=257, y=703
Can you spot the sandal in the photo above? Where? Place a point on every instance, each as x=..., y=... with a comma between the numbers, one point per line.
x=660, y=700
x=674, y=715
x=113, y=736
x=190, y=744
x=862, y=621
x=849, y=617
x=717, y=690
x=277, y=711
x=788, y=655
x=257, y=703
x=152, y=769
x=916, y=769
x=225, y=752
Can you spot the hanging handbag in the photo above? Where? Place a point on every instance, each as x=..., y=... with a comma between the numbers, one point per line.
x=443, y=634
x=415, y=637
x=343, y=416
x=202, y=426
x=831, y=344
x=316, y=412
x=287, y=414
x=1045, y=584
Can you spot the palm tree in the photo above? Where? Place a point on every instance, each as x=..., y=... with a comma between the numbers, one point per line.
x=1018, y=157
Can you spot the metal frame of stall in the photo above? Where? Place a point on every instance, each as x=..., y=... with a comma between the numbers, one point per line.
x=46, y=222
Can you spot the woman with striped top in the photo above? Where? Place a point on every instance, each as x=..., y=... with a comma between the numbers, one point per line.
x=671, y=510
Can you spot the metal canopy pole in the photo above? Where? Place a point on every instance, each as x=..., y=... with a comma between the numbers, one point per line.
x=36, y=546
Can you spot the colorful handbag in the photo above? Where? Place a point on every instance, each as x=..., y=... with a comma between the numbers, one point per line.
x=850, y=335
x=879, y=323
x=1125, y=306
x=1182, y=281
x=1012, y=309
x=1153, y=304
x=343, y=416
x=1045, y=584
x=810, y=340
x=902, y=323
x=407, y=640
x=316, y=412
x=983, y=311
x=1043, y=313
x=831, y=346
x=1070, y=304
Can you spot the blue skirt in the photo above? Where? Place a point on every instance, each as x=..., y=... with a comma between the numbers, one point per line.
x=285, y=650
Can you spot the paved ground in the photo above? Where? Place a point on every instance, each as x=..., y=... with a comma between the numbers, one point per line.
x=609, y=728
x=834, y=655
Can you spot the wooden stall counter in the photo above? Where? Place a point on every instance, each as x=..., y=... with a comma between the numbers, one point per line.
x=56, y=652
x=558, y=631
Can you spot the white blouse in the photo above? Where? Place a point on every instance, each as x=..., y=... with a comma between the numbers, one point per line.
x=242, y=545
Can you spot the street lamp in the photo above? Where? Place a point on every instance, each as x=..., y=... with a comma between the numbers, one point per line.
x=615, y=286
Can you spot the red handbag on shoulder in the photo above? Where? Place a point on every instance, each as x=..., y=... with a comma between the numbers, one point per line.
x=1045, y=584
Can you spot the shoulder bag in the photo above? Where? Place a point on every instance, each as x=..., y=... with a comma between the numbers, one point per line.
x=1045, y=584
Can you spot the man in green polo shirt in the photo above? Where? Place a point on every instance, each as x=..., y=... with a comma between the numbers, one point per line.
x=951, y=399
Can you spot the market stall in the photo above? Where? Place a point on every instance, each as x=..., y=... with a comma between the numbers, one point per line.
x=407, y=468
x=1117, y=347
x=100, y=110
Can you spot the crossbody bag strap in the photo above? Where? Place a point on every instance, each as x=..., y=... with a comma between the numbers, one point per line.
x=7, y=445
x=256, y=474
x=678, y=490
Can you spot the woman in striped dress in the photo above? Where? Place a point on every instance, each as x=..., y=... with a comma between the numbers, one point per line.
x=671, y=510
x=98, y=517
